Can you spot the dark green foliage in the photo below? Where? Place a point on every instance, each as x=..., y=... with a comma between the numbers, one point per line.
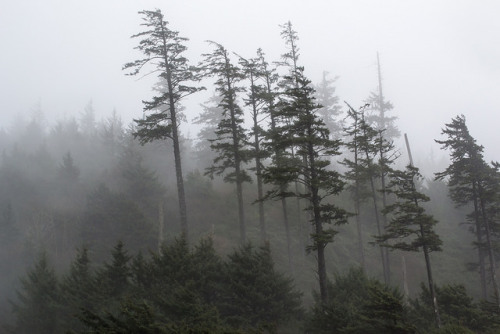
x=132, y=319
x=472, y=181
x=37, y=308
x=178, y=290
x=231, y=138
x=358, y=304
x=78, y=290
x=301, y=128
x=114, y=277
x=254, y=295
x=410, y=228
x=458, y=311
x=163, y=49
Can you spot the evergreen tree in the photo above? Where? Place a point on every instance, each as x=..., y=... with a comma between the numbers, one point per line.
x=289, y=60
x=379, y=107
x=255, y=296
x=78, y=289
x=363, y=171
x=163, y=48
x=472, y=181
x=410, y=228
x=110, y=216
x=269, y=97
x=114, y=279
x=330, y=110
x=256, y=100
x=209, y=119
x=37, y=307
x=457, y=309
x=231, y=140
x=359, y=304
x=306, y=131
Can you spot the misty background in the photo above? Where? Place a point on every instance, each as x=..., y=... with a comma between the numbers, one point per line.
x=438, y=58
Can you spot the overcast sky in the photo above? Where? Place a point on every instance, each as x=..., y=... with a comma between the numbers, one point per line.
x=439, y=58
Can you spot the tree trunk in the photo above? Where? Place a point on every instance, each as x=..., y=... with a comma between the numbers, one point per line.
x=384, y=204
x=379, y=230
x=175, y=139
x=431, y=282
x=480, y=247
x=237, y=161
x=489, y=245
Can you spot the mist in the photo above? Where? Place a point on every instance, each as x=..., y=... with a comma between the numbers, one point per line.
x=76, y=174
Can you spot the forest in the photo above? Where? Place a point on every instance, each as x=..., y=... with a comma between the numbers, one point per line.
x=292, y=211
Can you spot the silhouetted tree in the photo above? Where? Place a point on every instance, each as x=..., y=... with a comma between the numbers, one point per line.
x=256, y=98
x=410, y=228
x=163, y=49
x=306, y=131
x=231, y=140
x=472, y=181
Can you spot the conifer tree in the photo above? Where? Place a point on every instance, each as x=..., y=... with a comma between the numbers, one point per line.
x=254, y=294
x=307, y=132
x=355, y=174
x=364, y=170
x=164, y=49
x=290, y=61
x=37, y=307
x=379, y=107
x=472, y=181
x=331, y=109
x=209, y=119
x=410, y=228
x=78, y=288
x=231, y=140
x=255, y=100
x=269, y=97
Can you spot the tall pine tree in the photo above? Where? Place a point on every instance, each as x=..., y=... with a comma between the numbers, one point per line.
x=231, y=140
x=163, y=49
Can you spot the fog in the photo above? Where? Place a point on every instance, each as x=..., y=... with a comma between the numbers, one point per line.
x=75, y=177
x=439, y=59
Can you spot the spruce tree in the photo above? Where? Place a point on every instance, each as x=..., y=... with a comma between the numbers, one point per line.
x=411, y=228
x=231, y=140
x=37, y=307
x=379, y=107
x=331, y=109
x=290, y=61
x=307, y=132
x=269, y=96
x=255, y=100
x=78, y=288
x=472, y=181
x=255, y=296
x=164, y=49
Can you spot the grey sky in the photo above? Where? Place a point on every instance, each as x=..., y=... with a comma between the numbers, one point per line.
x=439, y=58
